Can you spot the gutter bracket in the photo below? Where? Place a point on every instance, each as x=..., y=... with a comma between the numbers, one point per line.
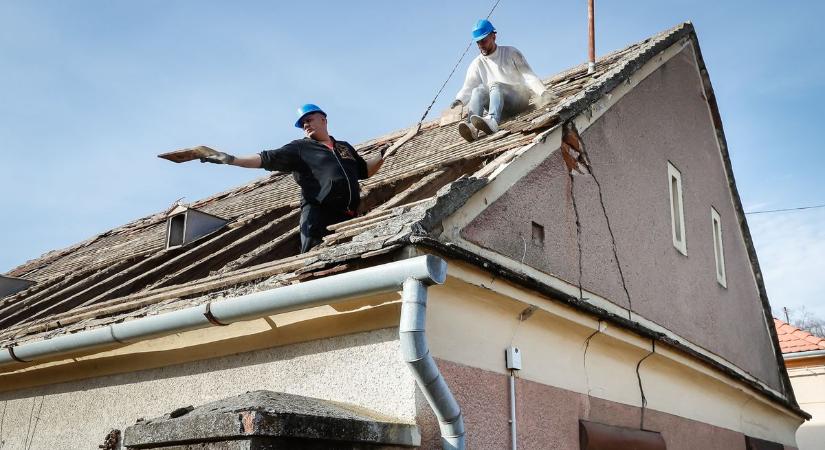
x=13, y=356
x=211, y=318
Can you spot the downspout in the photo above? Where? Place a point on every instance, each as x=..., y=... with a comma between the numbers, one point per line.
x=413, y=275
x=417, y=356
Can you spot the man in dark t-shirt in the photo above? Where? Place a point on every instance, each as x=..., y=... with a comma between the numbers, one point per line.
x=327, y=170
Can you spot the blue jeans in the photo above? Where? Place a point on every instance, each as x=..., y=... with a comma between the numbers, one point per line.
x=500, y=100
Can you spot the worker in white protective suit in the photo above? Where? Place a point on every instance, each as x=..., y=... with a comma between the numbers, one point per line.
x=499, y=81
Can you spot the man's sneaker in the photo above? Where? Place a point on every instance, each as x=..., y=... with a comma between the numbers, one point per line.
x=467, y=131
x=486, y=124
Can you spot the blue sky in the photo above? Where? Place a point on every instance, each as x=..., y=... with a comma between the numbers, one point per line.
x=91, y=91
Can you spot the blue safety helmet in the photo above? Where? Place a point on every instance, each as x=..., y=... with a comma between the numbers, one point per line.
x=482, y=29
x=303, y=111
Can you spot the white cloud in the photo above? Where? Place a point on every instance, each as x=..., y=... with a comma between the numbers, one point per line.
x=791, y=250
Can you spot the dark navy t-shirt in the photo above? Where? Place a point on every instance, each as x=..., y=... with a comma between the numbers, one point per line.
x=327, y=177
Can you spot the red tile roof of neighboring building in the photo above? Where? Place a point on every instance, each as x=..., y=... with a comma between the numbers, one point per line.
x=793, y=340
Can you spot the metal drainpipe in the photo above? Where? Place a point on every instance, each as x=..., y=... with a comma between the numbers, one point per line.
x=513, y=427
x=414, y=274
x=417, y=356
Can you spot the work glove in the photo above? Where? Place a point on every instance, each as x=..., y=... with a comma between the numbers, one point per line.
x=218, y=158
x=383, y=150
x=456, y=103
x=546, y=98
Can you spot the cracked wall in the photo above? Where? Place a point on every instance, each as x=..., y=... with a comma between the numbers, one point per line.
x=664, y=118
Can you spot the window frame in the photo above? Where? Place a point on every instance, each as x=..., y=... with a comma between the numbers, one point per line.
x=718, y=247
x=677, y=208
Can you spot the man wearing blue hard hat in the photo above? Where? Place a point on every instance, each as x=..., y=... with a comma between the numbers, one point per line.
x=326, y=169
x=499, y=81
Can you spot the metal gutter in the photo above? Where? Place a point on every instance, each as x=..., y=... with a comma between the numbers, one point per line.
x=412, y=276
x=803, y=355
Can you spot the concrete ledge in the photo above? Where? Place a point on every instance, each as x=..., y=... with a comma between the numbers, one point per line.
x=270, y=420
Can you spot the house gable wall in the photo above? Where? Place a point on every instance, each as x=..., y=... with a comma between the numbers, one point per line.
x=665, y=118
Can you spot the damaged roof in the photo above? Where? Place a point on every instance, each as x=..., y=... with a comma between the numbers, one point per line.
x=793, y=339
x=128, y=271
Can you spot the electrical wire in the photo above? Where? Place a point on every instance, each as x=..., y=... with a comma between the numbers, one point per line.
x=584, y=355
x=784, y=209
x=641, y=389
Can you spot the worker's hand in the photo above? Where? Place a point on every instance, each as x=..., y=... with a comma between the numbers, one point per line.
x=456, y=103
x=546, y=98
x=218, y=158
x=383, y=150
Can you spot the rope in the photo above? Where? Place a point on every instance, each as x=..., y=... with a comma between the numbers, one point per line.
x=452, y=72
x=389, y=151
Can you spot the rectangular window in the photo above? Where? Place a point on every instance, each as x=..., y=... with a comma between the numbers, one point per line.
x=752, y=443
x=538, y=234
x=598, y=436
x=677, y=211
x=718, y=249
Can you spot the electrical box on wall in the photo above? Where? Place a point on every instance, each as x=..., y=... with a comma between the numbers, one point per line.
x=512, y=358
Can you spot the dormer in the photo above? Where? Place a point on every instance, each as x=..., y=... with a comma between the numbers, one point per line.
x=186, y=225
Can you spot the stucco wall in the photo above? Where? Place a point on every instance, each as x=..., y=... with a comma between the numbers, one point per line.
x=362, y=369
x=809, y=386
x=664, y=118
x=547, y=417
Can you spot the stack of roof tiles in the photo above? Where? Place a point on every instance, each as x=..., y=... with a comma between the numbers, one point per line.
x=127, y=272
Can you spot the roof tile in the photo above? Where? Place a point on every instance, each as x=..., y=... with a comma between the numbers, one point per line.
x=793, y=339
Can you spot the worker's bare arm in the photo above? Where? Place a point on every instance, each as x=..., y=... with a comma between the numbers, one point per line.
x=248, y=161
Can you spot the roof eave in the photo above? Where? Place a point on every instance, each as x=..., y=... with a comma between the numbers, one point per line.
x=803, y=355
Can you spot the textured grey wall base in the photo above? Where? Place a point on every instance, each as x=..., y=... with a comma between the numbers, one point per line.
x=257, y=443
x=270, y=420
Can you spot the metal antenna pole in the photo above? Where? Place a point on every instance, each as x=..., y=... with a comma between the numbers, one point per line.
x=591, y=27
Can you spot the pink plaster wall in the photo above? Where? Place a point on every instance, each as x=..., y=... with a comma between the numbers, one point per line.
x=547, y=417
x=664, y=118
